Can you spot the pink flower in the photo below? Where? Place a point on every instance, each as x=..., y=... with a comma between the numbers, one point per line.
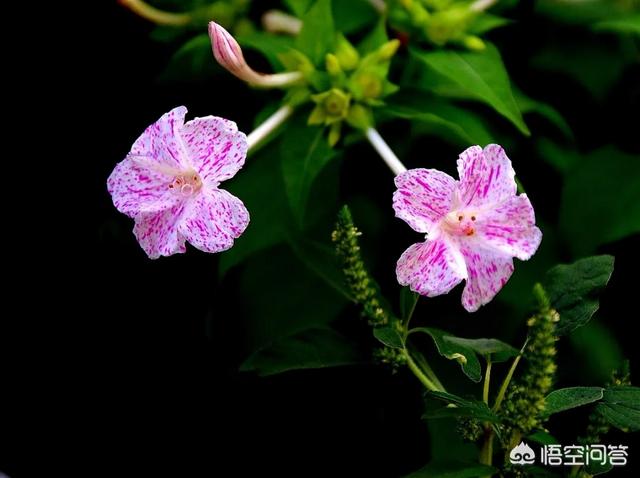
x=169, y=184
x=474, y=226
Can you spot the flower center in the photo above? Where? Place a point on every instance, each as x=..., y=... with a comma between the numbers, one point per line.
x=186, y=184
x=460, y=223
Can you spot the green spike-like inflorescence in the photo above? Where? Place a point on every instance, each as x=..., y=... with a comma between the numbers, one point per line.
x=361, y=286
x=525, y=399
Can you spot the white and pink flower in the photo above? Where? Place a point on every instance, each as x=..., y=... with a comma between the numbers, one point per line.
x=169, y=184
x=474, y=226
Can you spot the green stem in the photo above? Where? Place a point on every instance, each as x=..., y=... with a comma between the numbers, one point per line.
x=419, y=374
x=487, y=381
x=486, y=454
x=428, y=371
x=505, y=383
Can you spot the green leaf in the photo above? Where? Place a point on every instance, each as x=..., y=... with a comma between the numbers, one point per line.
x=460, y=407
x=498, y=350
x=353, y=15
x=626, y=24
x=262, y=190
x=310, y=349
x=192, y=60
x=487, y=22
x=620, y=406
x=389, y=336
x=299, y=7
x=561, y=159
x=573, y=290
x=462, y=354
x=453, y=470
x=304, y=152
x=318, y=33
x=408, y=301
x=321, y=259
x=568, y=398
x=271, y=46
x=481, y=75
x=440, y=118
x=601, y=200
x=543, y=438
x=374, y=39
x=528, y=105
x=286, y=298
x=597, y=350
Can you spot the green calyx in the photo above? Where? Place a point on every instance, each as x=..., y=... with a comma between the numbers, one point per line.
x=440, y=22
x=331, y=106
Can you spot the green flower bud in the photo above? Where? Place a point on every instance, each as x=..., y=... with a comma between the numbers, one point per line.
x=448, y=25
x=386, y=51
x=360, y=117
x=473, y=42
x=334, y=134
x=347, y=55
x=333, y=65
x=334, y=104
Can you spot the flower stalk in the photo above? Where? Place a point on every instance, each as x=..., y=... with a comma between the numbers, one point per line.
x=155, y=15
x=385, y=152
x=268, y=126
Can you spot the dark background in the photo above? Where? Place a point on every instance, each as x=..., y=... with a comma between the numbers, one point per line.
x=155, y=381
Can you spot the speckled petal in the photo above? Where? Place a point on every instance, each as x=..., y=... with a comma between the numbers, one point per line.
x=431, y=268
x=488, y=271
x=160, y=146
x=140, y=190
x=214, y=219
x=510, y=228
x=486, y=176
x=423, y=197
x=215, y=147
x=158, y=233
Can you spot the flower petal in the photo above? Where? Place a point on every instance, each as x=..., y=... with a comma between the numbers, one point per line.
x=488, y=271
x=424, y=196
x=158, y=233
x=214, y=219
x=140, y=190
x=510, y=228
x=486, y=176
x=160, y=146
x=216, y=148
x=431, y=268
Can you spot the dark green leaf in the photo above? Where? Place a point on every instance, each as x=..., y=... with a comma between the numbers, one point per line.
x=389, y=336
x=408, y=301
x=322, y=260
x=353, y=15
x=528, y=105
x=193, y=60
x=271, y=46
x=310, y=349
x=317, y=35
x=498, y=350
x=543, y=438
x=621, y=407
x=462, y=354
x=457, y=125
x=262, y=190
x=299, y=7
x=573, y=290
x=597, y=350
x=561, y=159
x=282, y=297
x=481, y=75
x=626, y=24
x=487, y=22
x=568, y=398
x=460, y=407
x=601, y=200
x=304, y=153
x=453, y=470
x=375, y=38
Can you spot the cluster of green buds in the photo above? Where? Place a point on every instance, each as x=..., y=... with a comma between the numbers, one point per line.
x=525, y=401
x=347, y=88
x=439, y=21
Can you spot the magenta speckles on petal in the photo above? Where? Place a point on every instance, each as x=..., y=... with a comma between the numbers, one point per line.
x=475, y=226
x=169, y=184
